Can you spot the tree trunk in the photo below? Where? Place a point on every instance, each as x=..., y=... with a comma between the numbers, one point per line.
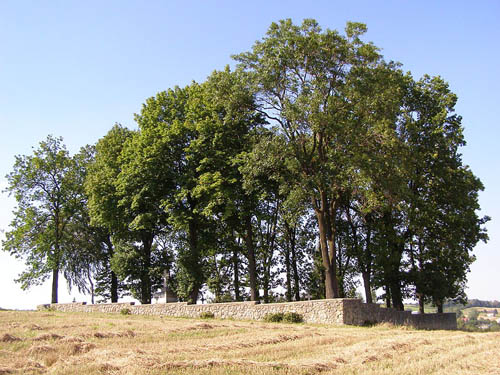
x=252, y=271
x=236, y=277
x=114, y=287
x=367, y=285
x=55, y=280
x=91, y=283
x=193, y=295
x=296, y=281
x=367, y=270
x=147, y=243
x=331, y=287
x=114, y=278
x=265, y=289
x=195, y=260
x=288, y=274
x=397, y=298
x=55, y=270
x=439, y=305
x=387, y=296
x=421, y=303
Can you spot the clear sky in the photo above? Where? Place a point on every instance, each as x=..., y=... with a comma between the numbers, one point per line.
x=73, y=69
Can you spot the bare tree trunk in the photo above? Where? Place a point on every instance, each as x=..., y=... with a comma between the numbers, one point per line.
x=328, y=254
x=147, y=243
x=397, y=298
x=252, y=271
x=288, y=274
x=193, y=295
x=366, y=284
x=236, y=277
x=439, y=305
x=421, y=303
x=114, y=287
x=387, y=296
x=293, y=251
x=55, y=279
x=195, y=254
x=114, y=278
x=329, y=274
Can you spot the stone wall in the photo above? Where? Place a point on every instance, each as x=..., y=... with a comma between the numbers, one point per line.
x=326, y=311
x=358, y=313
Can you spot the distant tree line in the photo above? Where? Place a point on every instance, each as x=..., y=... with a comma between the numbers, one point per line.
x=475, y=303
x=314, y=164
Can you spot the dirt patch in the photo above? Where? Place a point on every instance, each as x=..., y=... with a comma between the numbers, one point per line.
x=69, y=339
x=48, y=336
x=41, y=349
x=33, y=370
x=340, y=360
x=107, y=335
x=81, y=347
x=9, y=338
x=108, y=368
x=34, y=365
x=34, y=327
x=401, y=347
x=369, y=359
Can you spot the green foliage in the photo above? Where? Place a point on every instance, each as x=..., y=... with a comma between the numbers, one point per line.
x=125, y=311
x=47, y=189
x=473, y=314
x=207, y=315
x=273, y=317
x=314, y=162
x=289, y=317
x=292, y=317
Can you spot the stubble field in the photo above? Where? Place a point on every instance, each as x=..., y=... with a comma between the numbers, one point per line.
x=76, y=343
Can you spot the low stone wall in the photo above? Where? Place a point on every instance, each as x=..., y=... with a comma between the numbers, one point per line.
x=317, y=311
x=327, y=311
x=358, y=313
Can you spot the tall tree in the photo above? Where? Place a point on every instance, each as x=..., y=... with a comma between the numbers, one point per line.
x=45, y=186
x=103, y=202
x=442, y=204
x=224, y=114
x=160, y=178
x=322, y=90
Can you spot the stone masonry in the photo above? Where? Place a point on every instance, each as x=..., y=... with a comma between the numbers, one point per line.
x=326, y=311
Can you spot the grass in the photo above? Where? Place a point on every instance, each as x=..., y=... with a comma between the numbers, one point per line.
x=77, y=343
x=427, y=308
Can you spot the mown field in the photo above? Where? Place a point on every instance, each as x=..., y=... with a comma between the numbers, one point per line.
x=64, y=343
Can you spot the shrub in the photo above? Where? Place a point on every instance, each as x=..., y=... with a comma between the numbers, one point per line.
x=125, y=311
x=207, y=315
x=292, y=317
x=274, y=318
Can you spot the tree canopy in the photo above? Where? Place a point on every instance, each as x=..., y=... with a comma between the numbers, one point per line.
x=313, y=166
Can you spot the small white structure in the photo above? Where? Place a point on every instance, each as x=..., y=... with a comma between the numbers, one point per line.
x=162, y=297
x=165, y=295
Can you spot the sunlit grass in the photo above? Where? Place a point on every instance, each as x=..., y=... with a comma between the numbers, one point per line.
x=90, y=344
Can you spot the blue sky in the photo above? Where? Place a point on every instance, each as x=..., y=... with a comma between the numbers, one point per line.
x=73, y=69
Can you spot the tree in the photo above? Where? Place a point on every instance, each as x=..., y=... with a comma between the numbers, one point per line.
x=442, y=203
x=158, y=182
x=45, y=186
x=103, y=204
x=223, y=112
x=327, y=95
